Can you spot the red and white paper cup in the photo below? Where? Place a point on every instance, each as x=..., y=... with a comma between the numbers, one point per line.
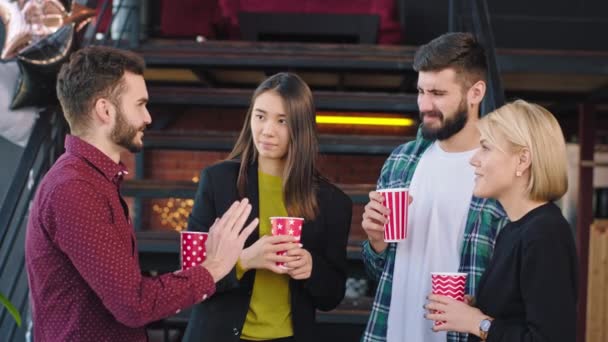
x=286, y=226
x=448, y=284
x=193, y=251
x=397, y=201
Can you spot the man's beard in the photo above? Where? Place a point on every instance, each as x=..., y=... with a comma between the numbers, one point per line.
x=124, y=134
x=449, y=126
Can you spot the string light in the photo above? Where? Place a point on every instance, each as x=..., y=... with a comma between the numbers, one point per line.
x=174, y=212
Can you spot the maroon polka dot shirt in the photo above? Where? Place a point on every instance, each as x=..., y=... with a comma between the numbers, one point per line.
x=81, y=256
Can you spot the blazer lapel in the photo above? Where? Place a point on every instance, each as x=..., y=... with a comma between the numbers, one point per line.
x=253, y=195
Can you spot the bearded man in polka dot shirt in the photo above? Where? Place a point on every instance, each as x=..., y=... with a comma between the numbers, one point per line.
x=81, y=254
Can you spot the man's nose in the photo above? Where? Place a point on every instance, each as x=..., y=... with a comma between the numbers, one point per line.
x=147, y=118
x=424, y=103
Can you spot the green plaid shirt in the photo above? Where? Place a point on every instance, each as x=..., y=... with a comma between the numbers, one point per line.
x=484, y=220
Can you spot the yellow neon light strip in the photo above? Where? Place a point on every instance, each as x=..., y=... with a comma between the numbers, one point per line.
x=364, y=120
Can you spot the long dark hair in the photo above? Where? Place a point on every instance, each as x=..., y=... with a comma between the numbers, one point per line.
x=300, y=176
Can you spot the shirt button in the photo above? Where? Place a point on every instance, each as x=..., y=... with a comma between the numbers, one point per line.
x=204, y=296
x=235, y=331
x=178, y=311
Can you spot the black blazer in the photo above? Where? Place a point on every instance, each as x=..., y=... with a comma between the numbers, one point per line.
x=221, y=317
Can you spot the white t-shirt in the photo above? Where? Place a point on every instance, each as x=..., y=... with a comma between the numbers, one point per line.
x=442, y=187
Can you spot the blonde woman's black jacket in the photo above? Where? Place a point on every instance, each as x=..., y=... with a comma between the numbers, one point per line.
x=221, y=317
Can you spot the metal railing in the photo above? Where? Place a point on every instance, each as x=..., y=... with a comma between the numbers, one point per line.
x=473, y=16
x=43, y=148
x=124, y=20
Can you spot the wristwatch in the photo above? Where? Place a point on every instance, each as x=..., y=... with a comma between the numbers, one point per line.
x=484, y=328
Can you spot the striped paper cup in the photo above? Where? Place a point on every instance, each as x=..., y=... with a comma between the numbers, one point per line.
x=397, y=201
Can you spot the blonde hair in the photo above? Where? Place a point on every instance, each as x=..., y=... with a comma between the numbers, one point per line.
x=528, y=125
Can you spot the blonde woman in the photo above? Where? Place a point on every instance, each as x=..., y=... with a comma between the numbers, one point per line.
x=528, y=293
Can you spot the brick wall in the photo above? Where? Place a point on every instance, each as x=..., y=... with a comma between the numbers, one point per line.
x=186, y=165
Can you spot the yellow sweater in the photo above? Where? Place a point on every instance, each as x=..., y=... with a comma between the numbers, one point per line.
x=269, y=314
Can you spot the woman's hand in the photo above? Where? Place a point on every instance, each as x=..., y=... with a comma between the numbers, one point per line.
x=301, y=267
x=456, y=315
x=263, y=253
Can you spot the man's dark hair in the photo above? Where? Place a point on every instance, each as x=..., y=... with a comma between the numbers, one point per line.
x=459, y=51
x=92, y=73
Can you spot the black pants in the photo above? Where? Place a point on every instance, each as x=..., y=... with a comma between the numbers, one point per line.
x=284, y=339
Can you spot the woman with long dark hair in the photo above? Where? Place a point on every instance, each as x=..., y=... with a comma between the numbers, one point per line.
x=273, y=164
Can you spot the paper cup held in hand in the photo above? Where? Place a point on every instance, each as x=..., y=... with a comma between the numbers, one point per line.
x=448, y=284
x=396, y=200
x=192, y=249
x=286, y=226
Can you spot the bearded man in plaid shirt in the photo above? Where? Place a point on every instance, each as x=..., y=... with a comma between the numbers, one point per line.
x=449, y=230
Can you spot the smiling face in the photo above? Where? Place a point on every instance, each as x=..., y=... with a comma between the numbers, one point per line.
x=496, y=166
x=269, y=127
x=132, y=116
x=442, y=104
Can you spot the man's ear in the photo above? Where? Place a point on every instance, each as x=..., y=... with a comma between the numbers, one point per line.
x=476, y=93
x=103, y=110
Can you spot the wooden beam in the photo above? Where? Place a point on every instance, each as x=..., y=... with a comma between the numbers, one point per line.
x=597, y=304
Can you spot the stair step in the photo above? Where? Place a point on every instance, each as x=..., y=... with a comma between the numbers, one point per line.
x=350, y=311
x=167, y=241
x=241, y=54
x=324, y=100
x=224, y=141
x=153, y=188
x=351, y=56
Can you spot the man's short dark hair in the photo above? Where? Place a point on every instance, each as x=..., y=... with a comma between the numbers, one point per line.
x=459, y=51
x=92, y=73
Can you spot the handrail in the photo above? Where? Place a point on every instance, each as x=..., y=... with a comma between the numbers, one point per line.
x=131, y=21
x=495, y=96
x=473, y=16
x=43, y=148
x=40, y=131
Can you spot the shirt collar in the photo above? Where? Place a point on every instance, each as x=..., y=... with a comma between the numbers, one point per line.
x=112, y=171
